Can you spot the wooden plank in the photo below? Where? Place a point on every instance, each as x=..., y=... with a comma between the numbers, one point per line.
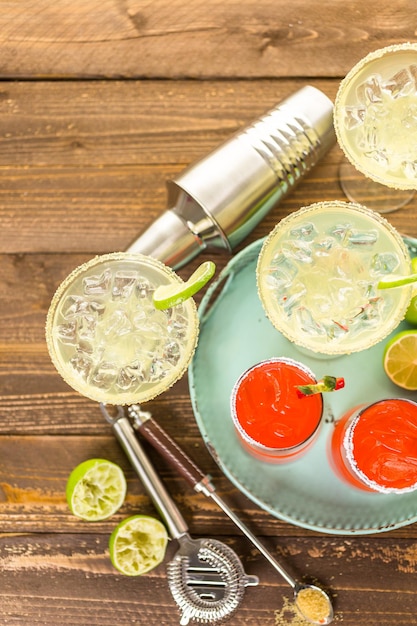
x=163, y=39
x=68, y=579
x=80, y=177
x=34, y=471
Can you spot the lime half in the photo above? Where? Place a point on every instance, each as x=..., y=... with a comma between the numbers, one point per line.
x=96, y=489
x=167, y=296
x=400, y=359
x=138, y=544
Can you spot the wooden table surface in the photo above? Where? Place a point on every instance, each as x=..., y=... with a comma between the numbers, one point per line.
x=101, y=102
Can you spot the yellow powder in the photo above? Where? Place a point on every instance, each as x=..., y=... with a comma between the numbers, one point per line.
x=313, y=605
x=289, y=616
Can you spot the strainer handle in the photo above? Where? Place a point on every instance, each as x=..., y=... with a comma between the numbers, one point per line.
x=141, y=464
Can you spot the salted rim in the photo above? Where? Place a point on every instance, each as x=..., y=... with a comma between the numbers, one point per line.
x=253, y=442
x=340, y=101
x=127, y=398
x=348, y=446
x=332, y=348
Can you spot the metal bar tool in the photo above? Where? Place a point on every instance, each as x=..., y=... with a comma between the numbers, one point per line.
x=169, y=449
x=217, y=202
x=206, y=577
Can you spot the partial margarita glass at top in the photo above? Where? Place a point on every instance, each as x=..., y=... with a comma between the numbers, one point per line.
x=318, y=273
x=107, y=339
x=375, y=116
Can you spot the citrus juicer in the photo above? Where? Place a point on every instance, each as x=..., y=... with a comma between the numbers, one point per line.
x=215, y=203
x=206, y=577
x=144, y=423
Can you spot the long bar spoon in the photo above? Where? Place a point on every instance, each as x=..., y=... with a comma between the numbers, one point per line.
x=312, y=602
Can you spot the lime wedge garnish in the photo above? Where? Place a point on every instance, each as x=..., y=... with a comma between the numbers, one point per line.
x=138, y=544
x=96, y=489
x=327, y=383
x=399, y=282
x=167, y=296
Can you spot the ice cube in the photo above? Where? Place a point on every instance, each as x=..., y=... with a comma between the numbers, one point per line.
x=73, y=306
x=144, y=288
x=177, y=326
x=131, y=376
x=98, y=285
x=370, y=91
x=159, y=369
x=298, y=250
x=384, y=263
x=306, y=322
x=281, y=272
x=413, y=72
x=104, y=375
x=172, y=353
x=362, y=238
x=118, y=324
x=67, y=333
x=379, y=156
x=409, y=119
x=339, y=231
x=354, y=117
x=368, y=139
x=82, y=364
x=410, y=169
x=400, y=85
x=336, y=329
x=123, y=285
x=323, y=246
x=293, y=299
x=86, y=327
x=304, y=232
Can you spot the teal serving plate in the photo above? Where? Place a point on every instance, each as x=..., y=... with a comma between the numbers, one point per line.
x=235, y=334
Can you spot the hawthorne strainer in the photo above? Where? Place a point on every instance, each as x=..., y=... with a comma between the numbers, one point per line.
x=206, y=577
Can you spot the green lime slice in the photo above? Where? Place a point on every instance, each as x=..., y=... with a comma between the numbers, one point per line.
x=138, y=544
x=399, y=282
x=411, y=313
x=400, y=360
x=167, y=296
x=95, y=489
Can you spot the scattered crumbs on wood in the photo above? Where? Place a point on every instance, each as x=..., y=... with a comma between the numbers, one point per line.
x=289, y=615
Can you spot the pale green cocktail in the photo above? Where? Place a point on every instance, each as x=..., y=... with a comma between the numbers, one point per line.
x=375, y=116
x=318, y=272
x=107, y=339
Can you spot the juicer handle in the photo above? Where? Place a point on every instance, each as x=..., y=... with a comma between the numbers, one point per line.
x=169, y=449
x=142, y=465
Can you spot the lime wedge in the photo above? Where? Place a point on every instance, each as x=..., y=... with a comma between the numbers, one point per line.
x=399, y=282
x=138, y=544
x=95, y=489
x=167, y=296
x=400, y=359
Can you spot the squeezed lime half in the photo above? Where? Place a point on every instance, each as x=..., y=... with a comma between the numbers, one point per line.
x=96, y=489
x=138, y=544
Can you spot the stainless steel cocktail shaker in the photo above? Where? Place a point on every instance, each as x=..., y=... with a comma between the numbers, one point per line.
x=217, y=202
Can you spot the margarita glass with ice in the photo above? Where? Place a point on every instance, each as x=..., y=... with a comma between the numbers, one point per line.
x=375, y=118
x=107, y=339
x=318, y=273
